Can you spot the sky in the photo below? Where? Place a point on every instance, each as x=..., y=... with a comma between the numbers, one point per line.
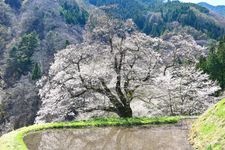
x=212, y=2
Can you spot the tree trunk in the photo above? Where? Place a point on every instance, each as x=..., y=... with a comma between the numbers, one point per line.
x=125, y=112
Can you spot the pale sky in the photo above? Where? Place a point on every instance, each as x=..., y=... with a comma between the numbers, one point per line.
x=212, y=2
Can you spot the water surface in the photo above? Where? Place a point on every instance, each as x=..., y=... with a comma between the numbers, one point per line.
x=164, y=137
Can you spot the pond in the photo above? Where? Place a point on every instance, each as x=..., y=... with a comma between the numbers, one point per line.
x=163, y=137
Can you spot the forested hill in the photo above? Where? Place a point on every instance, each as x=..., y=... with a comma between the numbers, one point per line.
x=217, y=9
x=155, y=16
x=31, y=32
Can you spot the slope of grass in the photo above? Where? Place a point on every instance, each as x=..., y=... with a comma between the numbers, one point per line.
x=14, y=139
x=208, y=132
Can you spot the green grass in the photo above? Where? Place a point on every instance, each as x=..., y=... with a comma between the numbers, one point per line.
x=208, y=132
x=14, y=140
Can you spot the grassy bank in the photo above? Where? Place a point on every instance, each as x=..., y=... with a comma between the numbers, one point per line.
x=208, y=132
x=14, y=139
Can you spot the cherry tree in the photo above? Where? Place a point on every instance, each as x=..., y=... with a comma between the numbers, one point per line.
x=184, y=91
x=117, y=65
x=179, y=49
x=181, y=89
x=95, y=71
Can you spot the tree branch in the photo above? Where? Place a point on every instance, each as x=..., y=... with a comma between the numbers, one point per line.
x=113, y=99
x=103, y=108
x=118, y=69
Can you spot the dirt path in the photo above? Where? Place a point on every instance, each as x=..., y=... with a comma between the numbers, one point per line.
x=163, y=137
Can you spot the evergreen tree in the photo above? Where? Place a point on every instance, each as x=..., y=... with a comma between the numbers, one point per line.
x=36, y=72
x=15, y=4
x=67, y=43
x=73, y=14
x=214, y=64
x=25, y=51
x=20, y=62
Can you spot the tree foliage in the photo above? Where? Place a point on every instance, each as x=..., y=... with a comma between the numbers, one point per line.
x=73, y=14
x=20, y=62
x=184, y=90
x=36, y=72
x=214, y=63
x=15, y=4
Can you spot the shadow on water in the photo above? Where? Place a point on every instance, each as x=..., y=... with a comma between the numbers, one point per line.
x=164, y=137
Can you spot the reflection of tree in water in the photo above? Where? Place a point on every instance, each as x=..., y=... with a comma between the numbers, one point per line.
x=165, y=138
x=77, y=139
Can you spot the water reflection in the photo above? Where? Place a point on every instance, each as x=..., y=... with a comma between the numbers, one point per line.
x=112, y=138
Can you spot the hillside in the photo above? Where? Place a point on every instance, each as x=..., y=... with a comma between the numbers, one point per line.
x=33, y=31
x=217, y=9
x=208, y=131
x=155, y=17
x=30, y=34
